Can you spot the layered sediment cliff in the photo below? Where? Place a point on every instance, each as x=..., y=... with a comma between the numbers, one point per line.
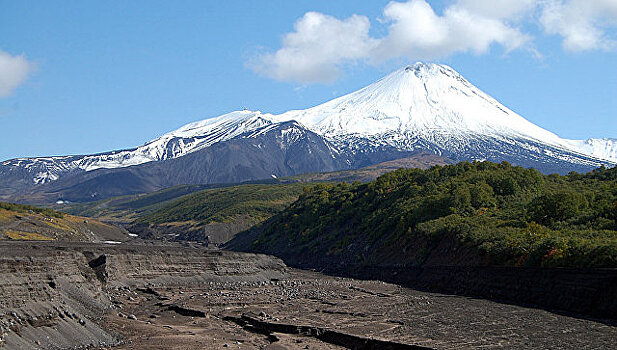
x=55, y=294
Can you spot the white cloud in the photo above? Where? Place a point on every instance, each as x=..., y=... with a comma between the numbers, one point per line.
x=417, y=32
x=582, y=23
x=314, y=51
x=321, y=45
x=13, y=72
x=499, y=9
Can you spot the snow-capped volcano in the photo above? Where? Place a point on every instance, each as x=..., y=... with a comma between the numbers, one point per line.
x=435, y=104
x=187, y=139
x=426, y=107
x=422, y=99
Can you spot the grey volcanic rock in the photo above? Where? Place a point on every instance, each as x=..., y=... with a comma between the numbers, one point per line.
x=76, y=296
x=47, y=298
x=54, y=295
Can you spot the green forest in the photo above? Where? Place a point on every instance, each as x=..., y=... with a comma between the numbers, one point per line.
x=491, y=214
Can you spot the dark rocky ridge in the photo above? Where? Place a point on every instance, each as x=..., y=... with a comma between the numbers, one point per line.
x=252, y=156
x=215, y=233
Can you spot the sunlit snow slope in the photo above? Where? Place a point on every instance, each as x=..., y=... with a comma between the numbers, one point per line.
x=601, y=148
x=433, y=103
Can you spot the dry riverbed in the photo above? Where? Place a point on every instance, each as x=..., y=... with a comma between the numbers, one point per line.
x=296, y=312
x=150, y=295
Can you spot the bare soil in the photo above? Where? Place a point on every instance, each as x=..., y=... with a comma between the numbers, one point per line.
x=206, y=317
x=158, y=296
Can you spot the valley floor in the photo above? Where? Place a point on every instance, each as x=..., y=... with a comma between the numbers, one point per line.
x=307, y=302
x=156, y=296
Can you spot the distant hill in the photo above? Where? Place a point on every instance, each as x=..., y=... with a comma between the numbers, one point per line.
x=421, y=160
x=24, y=222
x=464, y=214
x=216, y=215
x=126, y=209
x=158, y=214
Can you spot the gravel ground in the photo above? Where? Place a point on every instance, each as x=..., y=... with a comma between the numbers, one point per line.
x=366, y=309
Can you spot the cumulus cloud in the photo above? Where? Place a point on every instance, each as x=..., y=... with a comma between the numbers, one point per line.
x=13, y=71
x=583, y=24
x=499, y=9
x=416, y=31
x=320, y=45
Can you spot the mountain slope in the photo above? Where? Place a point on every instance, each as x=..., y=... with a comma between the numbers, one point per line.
x=428, y=100
x=216, y=215
x=275, y=150
x=430, y=106
x=601, y=148
x=187, y=139
x=423, y=107
x=432, y=103
x=125, y=209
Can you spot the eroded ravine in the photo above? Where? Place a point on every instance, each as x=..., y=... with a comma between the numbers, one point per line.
x=55, y=295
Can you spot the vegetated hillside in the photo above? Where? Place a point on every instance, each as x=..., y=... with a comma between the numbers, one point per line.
x=24, y=222
x=217, y=213
x=126, y=209
x=465, y=214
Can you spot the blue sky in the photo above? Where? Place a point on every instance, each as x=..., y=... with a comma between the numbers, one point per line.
x=79, y=77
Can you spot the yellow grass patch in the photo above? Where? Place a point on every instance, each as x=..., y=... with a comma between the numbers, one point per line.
x=4, y=212
x=6, y=216
x=20, y=235
x=59, y=224
x=74, y=219
x=181, y=223
x=80, y=220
